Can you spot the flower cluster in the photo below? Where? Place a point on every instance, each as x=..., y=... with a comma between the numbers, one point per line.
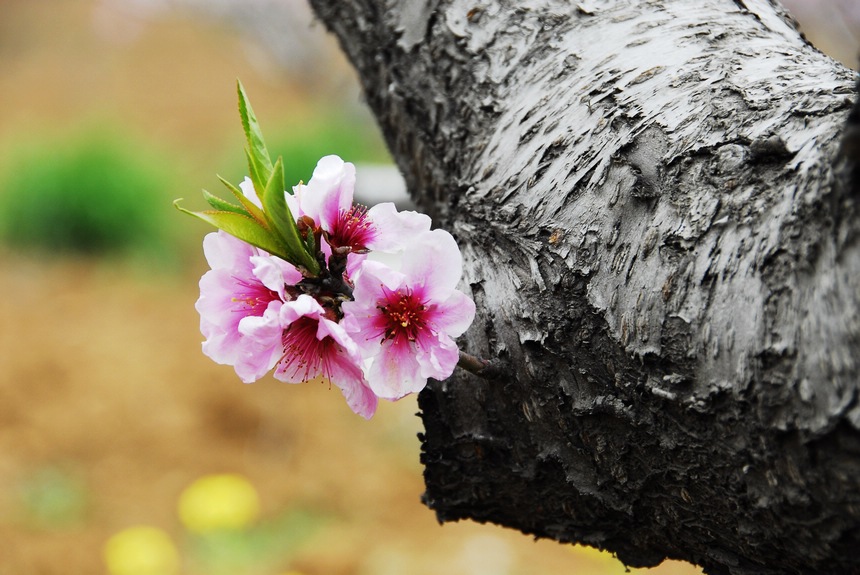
x=294, y=288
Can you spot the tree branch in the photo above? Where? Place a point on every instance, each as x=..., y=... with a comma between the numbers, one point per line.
x=660, y=241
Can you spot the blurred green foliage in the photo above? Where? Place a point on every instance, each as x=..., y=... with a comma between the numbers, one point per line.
x=52, y=497
x=95, y=193
x=100, y=192
x=258, y=548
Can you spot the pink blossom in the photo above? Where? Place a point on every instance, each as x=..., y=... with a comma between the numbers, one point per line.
x=243, y=282
x=367, y=328
x=328, y=200
x=302, y=342
x=404, y=321
x=329, y=192
x=395, y=230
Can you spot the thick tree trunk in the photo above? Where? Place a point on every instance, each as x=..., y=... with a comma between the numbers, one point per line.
x=662, y=239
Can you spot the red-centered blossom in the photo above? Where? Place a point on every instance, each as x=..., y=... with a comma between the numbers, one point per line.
x=404, y=321
x=303, y=344
x=352, y=228
x=327, y=194
x=258, y=313
x=243, y=282
x=328, y=200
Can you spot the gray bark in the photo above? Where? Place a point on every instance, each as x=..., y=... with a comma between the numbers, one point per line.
x=661, y=236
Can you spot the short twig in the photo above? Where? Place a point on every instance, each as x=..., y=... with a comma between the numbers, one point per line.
x=478, y=366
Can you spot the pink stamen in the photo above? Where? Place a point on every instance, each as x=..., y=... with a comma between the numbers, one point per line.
x=305, y=354
x=353, y=229
x=403, y=315
x=255, y=296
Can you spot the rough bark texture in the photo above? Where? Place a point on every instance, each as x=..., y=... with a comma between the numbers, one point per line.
x=662, y=239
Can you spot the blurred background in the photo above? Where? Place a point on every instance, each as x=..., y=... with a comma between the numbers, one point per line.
x=123, y=449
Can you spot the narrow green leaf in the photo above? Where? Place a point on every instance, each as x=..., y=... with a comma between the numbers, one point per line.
x=282, y=221
x=257, y=153
x=311, y=244
x=250, y=207
x=243, y=227
x=256, y=178
x=223, y=205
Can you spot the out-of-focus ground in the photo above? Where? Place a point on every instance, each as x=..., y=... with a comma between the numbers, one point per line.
x=108, y=409
x=833, y=26
x=107, y=400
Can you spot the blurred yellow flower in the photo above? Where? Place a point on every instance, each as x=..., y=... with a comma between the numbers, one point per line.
x=221, y=501
x=141, y=550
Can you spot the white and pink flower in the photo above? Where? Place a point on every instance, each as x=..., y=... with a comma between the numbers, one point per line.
x=370, y=330
x=243, y=282
x=300, y=340
x=328, y=200
x=316, y=346
x=404, y=321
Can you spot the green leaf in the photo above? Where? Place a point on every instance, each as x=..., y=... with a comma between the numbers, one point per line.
x=311, y=243
x=223, y=205
x=241, y=226
x=254, y=172
x=250, y=207
x=282, y=221
x=260, y=163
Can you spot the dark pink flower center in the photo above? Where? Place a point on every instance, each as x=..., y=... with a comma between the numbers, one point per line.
x=253, y=297
x=353, y=229
x=403, y=316
x=305, y=354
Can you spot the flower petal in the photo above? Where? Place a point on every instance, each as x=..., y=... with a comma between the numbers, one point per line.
x=454, y=315
x=329, y=191
x=275, y=273
x=229, y=292
x=395, y=230
x=347, y=376
x=224, y=251
x=322, y=348
x=437, y=356
x=362, y=316
x=395, y=371
x=435, y=263
x=218, y=318
x=260, y=346
x=403, y=355
x=247, y=187
x=294, y=201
